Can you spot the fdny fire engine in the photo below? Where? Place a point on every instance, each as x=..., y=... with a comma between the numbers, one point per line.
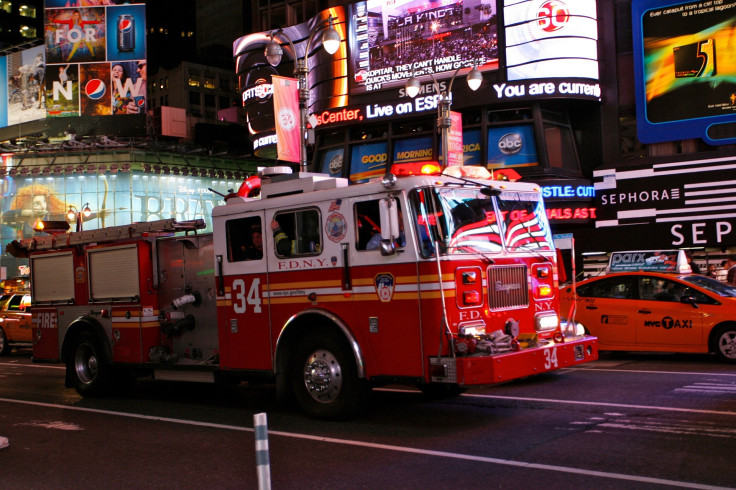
x=443, y=281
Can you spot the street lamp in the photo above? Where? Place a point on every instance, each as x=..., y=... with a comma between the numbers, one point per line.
x=331, y=42
x=75, y=215
x=444, y=121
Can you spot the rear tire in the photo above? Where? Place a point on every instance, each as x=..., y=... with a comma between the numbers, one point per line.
x=4, y=347
x=324, y=378
x=88, y=370
x=724, y=343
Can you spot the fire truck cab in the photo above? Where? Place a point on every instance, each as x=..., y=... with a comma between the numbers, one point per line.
x=328, y=289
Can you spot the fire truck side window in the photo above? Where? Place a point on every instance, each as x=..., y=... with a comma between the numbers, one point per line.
x=297, y=233
x=244, y=239
x=368, y=226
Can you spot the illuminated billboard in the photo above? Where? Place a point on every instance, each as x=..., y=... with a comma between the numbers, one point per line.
x=685, y=70
x=92, y=63
x=551, y=39
x=393, y=41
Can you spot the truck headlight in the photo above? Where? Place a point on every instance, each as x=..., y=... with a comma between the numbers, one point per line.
x=546, y=322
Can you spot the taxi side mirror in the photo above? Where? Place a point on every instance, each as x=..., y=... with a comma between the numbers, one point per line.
x=689, y=299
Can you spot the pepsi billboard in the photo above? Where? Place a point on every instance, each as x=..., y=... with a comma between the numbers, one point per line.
x=684, y=71
x=92, y=63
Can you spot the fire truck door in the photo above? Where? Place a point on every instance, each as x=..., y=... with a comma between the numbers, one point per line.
x=386, y=293
x=243, y=323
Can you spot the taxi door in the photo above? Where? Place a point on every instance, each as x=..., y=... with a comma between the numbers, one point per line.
x=16, y=318
x=662, y=320
x=607, y=308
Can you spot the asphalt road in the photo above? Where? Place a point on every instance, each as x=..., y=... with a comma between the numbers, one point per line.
x=625, y=421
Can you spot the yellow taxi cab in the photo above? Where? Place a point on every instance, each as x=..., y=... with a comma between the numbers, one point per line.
x=655, y=311
x=15, y=320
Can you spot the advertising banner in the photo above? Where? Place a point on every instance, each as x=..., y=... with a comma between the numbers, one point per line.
x=92, y=63
x=393, y=41
x=455, y=140
x=413, y=150
x=114, y=200
x=551, y=39
x=286, y=110
x=368, y=161
x=683, y=203
x=685, y=70
x=511, y=146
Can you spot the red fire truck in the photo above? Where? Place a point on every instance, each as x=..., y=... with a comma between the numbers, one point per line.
x=443, y=281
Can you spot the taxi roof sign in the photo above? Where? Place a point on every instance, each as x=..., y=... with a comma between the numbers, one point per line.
x=674, y=261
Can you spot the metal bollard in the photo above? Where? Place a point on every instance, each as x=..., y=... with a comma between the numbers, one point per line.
x=263, y=468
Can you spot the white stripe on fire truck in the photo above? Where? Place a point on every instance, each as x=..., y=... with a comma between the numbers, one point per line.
x=134, y=319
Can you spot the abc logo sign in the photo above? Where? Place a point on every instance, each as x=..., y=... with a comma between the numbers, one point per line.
x=510, y=143
x=335, y=165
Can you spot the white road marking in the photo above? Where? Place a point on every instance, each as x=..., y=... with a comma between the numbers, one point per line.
x=387, y=447
x=679, y=373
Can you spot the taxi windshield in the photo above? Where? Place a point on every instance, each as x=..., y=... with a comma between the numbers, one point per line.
x=711, y=285
x=466, y=220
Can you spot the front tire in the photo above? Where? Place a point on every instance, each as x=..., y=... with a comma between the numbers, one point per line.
x=87, y=368
x=4, y=347
x=324, y=379
x=724, y=343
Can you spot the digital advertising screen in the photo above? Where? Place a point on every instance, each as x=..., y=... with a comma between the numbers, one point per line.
x=685, y=70
x=92, y=63
x=393, y=41
x=551, y=39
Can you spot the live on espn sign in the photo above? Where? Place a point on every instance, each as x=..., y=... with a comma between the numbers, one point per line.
x=92, y=63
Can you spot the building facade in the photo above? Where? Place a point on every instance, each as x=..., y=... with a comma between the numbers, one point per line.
x=560, y=104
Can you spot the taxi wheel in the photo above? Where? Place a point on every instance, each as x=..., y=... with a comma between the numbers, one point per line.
x=725, y=343
x=4, y=347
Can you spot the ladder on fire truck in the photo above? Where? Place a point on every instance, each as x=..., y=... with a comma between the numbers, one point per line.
x=144, y=229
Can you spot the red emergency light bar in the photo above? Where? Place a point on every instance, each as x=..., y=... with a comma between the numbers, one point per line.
x=416, y=168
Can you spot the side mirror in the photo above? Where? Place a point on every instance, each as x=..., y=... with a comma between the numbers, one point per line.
x=389, y=211
x=689, y=300
x=387, y=247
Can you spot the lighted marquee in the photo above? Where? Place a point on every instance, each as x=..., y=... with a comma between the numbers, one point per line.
x=685, y=73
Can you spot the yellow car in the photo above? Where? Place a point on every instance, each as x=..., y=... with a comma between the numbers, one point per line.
x=650, y=311
x=15, y=320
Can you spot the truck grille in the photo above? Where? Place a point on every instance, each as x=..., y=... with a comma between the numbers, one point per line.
x=507, y=287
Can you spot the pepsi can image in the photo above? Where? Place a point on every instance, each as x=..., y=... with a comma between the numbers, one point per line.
x=126, y=33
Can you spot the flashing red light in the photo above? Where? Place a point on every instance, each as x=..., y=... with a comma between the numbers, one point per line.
x=416, y=168
x=506, y=174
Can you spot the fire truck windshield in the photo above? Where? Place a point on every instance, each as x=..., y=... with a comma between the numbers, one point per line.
x=464, y=220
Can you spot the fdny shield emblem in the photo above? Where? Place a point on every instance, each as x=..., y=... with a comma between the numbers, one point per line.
x=385, y=286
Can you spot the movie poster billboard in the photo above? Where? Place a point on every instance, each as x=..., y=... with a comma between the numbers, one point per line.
x=684, y=69
x=113, y=200
x=393, y=41
x=92, y=63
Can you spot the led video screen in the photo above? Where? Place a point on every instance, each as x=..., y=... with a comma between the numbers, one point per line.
x=685, y=70
x=392, y=41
